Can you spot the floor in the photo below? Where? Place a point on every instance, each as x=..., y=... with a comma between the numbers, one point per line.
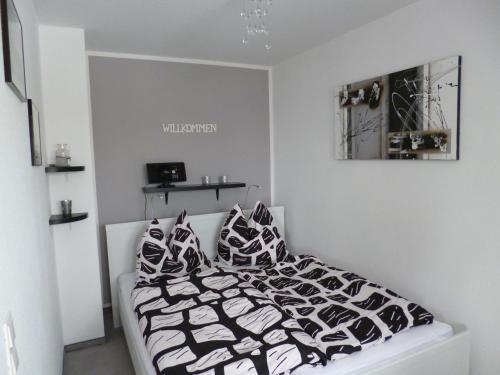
x=110, y=358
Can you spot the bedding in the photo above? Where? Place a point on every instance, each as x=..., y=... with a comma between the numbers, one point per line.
x=405, y=344
x=222, y=319
x=342, y=311
x=271, y=317
x=185, y=245
x=256, y=242
x=215, y=322
x=161, y=257
x=154, y=260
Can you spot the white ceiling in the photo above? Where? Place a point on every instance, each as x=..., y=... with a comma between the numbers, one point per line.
x=210, y=29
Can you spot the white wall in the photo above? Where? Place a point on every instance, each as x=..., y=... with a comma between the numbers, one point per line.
x=28, y=286
x=65, y=84
x=429, y=230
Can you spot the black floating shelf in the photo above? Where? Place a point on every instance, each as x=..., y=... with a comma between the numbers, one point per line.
x=60, y=219
x=56, y=169
x=170, y=189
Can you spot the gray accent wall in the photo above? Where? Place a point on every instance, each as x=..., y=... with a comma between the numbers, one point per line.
x=131, y=99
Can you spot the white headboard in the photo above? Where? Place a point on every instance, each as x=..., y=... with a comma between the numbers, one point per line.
x=122, y=240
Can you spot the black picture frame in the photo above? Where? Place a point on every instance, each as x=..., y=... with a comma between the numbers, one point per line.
x=35, y=134
x=13, y=49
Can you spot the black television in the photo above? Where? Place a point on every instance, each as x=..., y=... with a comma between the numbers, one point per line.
x=166, y=173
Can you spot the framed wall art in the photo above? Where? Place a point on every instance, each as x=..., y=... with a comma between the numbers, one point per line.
x=13, y=48
x=410, y=114
x=35, y=134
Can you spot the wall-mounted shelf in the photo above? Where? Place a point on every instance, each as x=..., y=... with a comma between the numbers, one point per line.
x=56, y=169
x=61, y=219
x=170, y=189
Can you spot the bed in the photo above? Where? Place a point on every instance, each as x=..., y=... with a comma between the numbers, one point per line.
x=438, y=348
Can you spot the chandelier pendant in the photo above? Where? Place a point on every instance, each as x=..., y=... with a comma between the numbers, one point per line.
x=255, y=14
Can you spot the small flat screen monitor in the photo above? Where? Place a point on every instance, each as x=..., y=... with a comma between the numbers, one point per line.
x=166, y=173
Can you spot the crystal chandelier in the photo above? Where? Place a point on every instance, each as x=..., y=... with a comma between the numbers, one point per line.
x=255, y=13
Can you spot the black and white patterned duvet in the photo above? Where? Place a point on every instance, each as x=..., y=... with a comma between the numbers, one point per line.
x=344, y=312
x=253, y=321
x=215, y=323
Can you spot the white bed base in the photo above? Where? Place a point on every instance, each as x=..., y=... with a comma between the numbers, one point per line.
x=449, y=357
x=140, y=367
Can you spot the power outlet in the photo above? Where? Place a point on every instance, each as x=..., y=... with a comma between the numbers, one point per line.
x=9, y=335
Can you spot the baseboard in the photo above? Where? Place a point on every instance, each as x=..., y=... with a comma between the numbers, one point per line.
x=84, y=344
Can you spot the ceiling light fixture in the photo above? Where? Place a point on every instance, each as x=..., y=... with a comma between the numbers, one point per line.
x=255, y=13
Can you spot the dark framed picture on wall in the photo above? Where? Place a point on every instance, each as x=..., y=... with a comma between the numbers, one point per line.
x=35, y=134
x=13, y=48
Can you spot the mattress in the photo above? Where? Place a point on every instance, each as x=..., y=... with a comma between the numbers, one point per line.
x=404, y=343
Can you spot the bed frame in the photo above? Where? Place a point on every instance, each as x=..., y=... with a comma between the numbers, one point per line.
x=449, y=357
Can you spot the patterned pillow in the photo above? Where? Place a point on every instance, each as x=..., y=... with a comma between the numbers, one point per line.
x=253, y=243
x=185, y=245
x=154, y=260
